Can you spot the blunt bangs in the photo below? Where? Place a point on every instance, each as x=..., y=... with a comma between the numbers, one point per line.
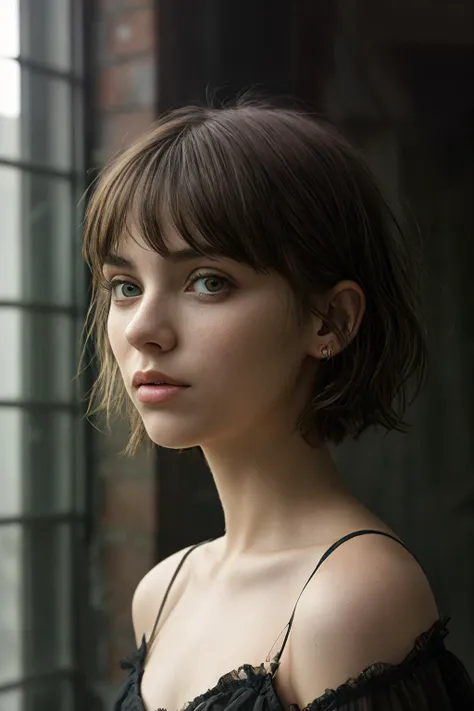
x=195, y=181
x=281, y=192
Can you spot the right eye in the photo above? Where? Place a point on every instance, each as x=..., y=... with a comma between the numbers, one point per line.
x=122, y=290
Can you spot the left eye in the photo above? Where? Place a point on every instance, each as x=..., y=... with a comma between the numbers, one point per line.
x=124, y=290
x=213, y=284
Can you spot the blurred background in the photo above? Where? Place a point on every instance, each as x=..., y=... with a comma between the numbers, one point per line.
x=80, y=525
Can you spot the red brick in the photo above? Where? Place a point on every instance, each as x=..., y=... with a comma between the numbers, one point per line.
x=130, y=84
x=120, y=129
x=130, y=503
x=132, y=32
x=126, y=562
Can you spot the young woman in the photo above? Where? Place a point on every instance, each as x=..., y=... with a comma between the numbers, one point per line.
x=255, y=297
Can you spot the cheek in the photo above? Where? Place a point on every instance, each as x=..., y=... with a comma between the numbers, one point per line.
x=251, y=347
x=115, y=334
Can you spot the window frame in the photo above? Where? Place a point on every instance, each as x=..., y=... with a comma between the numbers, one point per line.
x=78, y=518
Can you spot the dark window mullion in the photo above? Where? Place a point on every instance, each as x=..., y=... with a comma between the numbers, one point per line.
x=48, y=560
x=36, y=307
x=72, y=407
x=53, y=676
x=46, y=573
x=47, y=70
x=51, y=542
x=68, y=517
x=37, y=169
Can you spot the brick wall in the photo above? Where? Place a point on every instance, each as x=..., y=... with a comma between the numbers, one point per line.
x=126, y=79
x=124, y=547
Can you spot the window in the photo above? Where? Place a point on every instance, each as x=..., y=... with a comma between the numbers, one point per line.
x=41, y=312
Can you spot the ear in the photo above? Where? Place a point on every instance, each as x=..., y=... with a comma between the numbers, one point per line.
x=343, y=307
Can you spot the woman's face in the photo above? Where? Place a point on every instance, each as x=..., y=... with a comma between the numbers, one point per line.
x=229, y=334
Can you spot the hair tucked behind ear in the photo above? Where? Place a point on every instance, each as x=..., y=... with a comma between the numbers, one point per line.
x=280, y=191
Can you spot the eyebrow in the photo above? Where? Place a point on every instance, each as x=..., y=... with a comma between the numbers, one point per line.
x=114, y=260
x=179, y=255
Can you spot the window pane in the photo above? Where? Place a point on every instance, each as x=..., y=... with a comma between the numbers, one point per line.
x=35, y=240
x=35, y=116
x=11, y=700
x=36, y=358
x=37, y=471
x=10, y=244
x=36, y=29
x=79, y=131
x=47, y=618
x=11, y=323
x=9, y=102
x=9, y=28
x=11, y=603
x=11, y=444
x=48, y=474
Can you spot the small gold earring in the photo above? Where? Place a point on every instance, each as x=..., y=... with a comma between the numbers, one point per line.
x=326, y=352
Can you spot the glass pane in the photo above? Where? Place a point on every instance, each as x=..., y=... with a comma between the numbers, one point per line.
x=9, y=103
x=79, y=131
x=11, y=603
x=35, y=116
x=35, y=241
x=37, y=470
x=12, y=700
x=36, y=360
x=9, y=28
x=47, y=455
x=10, y=244
x=11, y=444
x=36, y=29
x=11, y=324
x=78, y=36
x=48, y=557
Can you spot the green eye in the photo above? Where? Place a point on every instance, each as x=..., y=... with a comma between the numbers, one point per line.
x=124, y=290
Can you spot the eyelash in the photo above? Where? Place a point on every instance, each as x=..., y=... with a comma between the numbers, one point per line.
x=110, y=285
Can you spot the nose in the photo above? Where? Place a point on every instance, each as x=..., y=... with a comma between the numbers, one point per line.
x=151, y=325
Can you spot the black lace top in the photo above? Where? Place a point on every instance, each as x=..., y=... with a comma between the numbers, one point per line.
x=430, y=678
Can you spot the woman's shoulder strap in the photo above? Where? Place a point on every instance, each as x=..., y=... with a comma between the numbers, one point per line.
x=168, y=589
x=324, y=557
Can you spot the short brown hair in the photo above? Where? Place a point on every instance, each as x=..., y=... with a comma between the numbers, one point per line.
x=280, y=191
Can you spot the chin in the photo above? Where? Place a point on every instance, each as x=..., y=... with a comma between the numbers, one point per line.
x=171, y=435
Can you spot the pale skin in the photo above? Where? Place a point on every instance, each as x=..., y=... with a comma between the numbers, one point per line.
x=250, y=363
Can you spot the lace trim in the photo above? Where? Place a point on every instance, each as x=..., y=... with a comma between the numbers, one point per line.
x=426, y=646
x=245, y=676
x=261, y=677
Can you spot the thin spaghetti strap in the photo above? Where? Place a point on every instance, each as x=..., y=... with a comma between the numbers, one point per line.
x=165, y=597
x=276, y=659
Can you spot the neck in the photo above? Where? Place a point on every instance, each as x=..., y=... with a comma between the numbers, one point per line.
x=275, y=492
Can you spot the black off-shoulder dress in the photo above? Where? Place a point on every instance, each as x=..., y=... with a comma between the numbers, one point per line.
x=430, y=678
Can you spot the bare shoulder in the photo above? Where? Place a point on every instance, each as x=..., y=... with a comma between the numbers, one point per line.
x=367, y=603
x=150, y=592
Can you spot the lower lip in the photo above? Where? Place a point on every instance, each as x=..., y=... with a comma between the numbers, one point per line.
x=152, y=394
